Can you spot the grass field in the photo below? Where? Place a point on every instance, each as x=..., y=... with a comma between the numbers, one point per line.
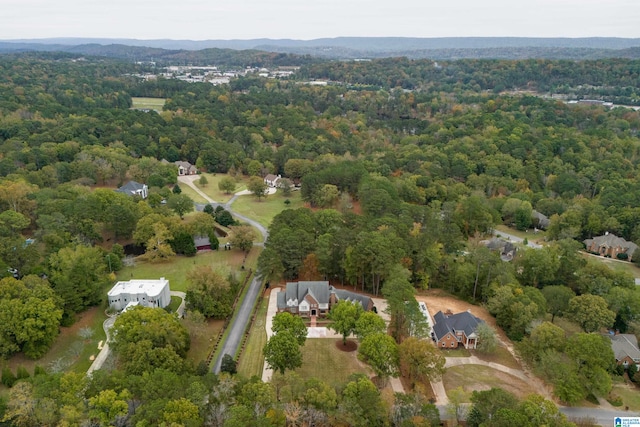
x=267, y=208
x=192, y=193
x=176, y=269
x=211, y=189
x=501, y=356
x=538, y=237
x=148, y=103
x=252, y=361
x=476, y=377
x=321, y=359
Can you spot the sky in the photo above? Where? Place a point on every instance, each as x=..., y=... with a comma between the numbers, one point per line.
x=310, y=19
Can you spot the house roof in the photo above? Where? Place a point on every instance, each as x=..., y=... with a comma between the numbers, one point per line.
x=624, y=345
x=463, y=321
x=131, y=188
x=610, y=240
x=201, y=241
x=271, y=177
x=343, y=295
x=320, y=291
x=543, y=220
x=150, y=287
x=185, y=165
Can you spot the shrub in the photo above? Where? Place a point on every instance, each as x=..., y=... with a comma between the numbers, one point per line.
x=22, y=373
x=614, y=399
x=8, y=378
x=623, y=256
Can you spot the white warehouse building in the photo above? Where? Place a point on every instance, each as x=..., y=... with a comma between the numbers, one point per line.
x=147, y=293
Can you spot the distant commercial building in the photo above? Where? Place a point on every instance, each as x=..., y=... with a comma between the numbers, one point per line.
x=146, y=292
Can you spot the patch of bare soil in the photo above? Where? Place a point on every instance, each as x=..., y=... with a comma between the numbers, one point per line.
x=348, y=347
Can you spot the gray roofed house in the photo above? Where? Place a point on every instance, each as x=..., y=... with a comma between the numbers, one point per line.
x=133, y=188
x=186, y=168
x=315, y=298
x=507, y=249
x=540, y=220
x=272, y=180
x=610, y=245
x=625, y=349
x=456, y=329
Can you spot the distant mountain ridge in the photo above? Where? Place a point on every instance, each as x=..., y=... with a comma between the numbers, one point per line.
x=344, y=47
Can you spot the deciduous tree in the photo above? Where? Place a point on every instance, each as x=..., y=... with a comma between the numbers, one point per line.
x=381, y=352
x=286, y=321
x=344, y=317
x=282, y=352
x=590, y=312
x=420, y=360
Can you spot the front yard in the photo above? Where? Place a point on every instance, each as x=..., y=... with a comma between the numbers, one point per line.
x=321, y=359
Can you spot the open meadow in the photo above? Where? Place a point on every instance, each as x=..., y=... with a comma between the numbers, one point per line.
x=265, y=209
x=211, y=188
x=175, y=270
x=148, y=103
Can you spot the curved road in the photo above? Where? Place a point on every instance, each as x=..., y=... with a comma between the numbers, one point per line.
x=243, y=313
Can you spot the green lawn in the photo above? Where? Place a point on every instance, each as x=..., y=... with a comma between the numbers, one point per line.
x=192, y=193
x=615, y=264
x=630, y=395
x=211, y=189
x=267, y=208
x=537, y=237
x=321, y=359
x=174, y=304
x=200, y=346
x=150, y=103
x=251, y=361
x=176, y=269
x=501, y=356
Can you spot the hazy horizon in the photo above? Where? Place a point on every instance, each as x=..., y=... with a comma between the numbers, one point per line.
x=295, y=19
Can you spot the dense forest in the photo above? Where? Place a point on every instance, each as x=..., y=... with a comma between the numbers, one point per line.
x=406, y=167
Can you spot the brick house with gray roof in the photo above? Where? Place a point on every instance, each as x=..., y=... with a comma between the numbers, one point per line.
x=456, y=329
x=315, y=298
x=610, y=245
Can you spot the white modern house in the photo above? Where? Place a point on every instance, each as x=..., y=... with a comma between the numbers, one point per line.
x=146, y=292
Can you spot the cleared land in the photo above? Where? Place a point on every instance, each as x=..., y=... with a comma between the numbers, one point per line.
x=629, y=394
x=321, y=359
x=477, y=377
x=148, y=103
x=267, y=208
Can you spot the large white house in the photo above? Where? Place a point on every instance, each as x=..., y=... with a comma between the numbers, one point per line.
x=147, y=293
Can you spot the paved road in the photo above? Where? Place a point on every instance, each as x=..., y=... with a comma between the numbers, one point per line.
x=243, y=313
x=239, y=322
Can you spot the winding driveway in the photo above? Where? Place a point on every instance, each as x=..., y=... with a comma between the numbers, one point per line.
x=241, y=318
